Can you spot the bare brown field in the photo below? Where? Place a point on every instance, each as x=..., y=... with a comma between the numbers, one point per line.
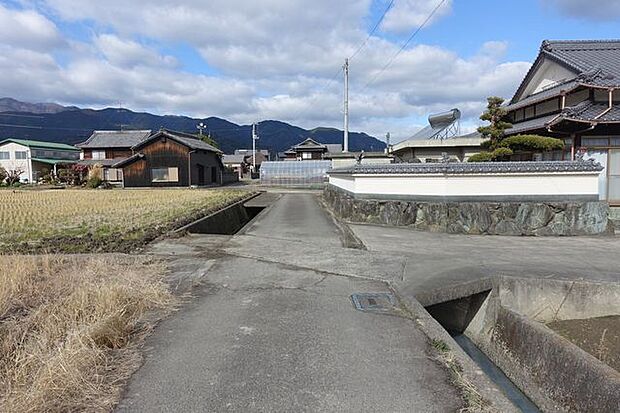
x=71, y=328
x=100, y=220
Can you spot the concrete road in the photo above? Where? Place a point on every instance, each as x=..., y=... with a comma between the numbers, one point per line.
x=432, y=261
x=269, y=330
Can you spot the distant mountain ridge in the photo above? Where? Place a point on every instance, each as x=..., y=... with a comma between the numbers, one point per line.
x=56, y=123
x=13, y=105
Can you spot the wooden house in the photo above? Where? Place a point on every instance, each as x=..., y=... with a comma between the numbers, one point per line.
x=168, y=158
x=108, y=147
x=572, y=92
x=310, y=150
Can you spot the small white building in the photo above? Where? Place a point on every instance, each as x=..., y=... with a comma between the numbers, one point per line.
x=35, y=158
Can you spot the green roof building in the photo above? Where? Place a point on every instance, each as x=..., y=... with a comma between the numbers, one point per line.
x=35, y=158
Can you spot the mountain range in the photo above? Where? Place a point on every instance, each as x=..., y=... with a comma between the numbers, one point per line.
x=69, y=124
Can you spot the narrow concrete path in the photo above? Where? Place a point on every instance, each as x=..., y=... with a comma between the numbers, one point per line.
x=266, y=334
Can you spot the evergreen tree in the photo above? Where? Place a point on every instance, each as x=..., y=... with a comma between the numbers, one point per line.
x=494, y=114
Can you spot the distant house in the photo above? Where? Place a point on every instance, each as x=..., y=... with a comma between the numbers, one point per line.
x=236, y=163
x=459, y=148
x=247, y=152
x=345, y=159
x=310, y=150
x=35, y=158
x=169, y=158
x=107, y=147
x=572, y=92
x=442, y=136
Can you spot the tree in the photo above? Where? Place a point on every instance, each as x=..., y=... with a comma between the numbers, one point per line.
x=12, y=175
x=208, y=139
x=494, y=114
x=3, y=175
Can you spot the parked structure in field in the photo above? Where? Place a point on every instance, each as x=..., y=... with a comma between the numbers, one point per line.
x=571, y=92
x=311, y=150
x=441, y=136
x=108, y=147
x=169, y=158
x=35, y=159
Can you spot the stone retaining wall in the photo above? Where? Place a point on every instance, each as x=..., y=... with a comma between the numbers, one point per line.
x=492, y=218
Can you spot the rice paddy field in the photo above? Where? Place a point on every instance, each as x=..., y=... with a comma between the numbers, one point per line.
x=78, y=220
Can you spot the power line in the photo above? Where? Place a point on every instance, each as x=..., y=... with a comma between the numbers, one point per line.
x=373, y=30
x=415, y=32
x=21, y=116
x=341, y=70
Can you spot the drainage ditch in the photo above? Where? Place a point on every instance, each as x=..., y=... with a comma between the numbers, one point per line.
x=227, y=221
x=455, y=316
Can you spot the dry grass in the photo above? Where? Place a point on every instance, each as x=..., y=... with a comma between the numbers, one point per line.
x=98, y=219
x=71, y=326
x=474, y=402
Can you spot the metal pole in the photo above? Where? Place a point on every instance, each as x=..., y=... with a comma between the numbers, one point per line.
x=346, y=105
x=254, y=148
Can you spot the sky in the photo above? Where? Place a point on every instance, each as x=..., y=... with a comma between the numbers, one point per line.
x=253, y=60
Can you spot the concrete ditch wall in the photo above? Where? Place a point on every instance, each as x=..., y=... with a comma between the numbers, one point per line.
x=226, y=221
x=491, y=218
x=557, y=375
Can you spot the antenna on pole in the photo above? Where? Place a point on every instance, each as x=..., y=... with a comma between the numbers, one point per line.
x=346, y=105
x=200, y=128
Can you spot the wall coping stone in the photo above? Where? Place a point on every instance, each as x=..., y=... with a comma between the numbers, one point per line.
x=457, y=168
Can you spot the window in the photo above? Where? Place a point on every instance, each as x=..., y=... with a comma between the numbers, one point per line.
x=598, y=141
x=165, y=174
x=306, y=155
x=99, y=154
x=4, y=155
x=21, y=155
x=113, y=174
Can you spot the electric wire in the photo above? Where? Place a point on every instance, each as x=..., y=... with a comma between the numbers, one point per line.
x=402, y=48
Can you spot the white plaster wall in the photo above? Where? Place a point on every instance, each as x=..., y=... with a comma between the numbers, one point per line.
x=471, y=185
x=12, y=163
x=600, y=156
x=548, y=73
x=345, y=182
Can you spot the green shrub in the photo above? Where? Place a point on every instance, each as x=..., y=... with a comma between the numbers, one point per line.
x=531, y=143
x=501, y=153
x=94, y=182
x=481, y=157
x=486, y=144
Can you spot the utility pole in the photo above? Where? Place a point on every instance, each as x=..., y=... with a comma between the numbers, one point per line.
x=254, y=138
x=387, y=142
x=346, y=105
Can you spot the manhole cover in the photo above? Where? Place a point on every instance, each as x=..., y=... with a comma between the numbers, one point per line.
x=375, y=302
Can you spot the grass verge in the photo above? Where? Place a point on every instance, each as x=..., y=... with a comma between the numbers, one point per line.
x=474, y=402
x=71, y=328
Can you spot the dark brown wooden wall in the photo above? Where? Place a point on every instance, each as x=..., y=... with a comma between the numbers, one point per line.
x=109, y=153
x=165, y=153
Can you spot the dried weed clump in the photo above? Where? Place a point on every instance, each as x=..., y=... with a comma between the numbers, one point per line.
x=71, y=327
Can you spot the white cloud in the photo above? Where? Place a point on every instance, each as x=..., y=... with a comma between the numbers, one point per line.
x=601, y=10
x=272, y=58
x=28, y=29
x=407, y=15
x=130, y=53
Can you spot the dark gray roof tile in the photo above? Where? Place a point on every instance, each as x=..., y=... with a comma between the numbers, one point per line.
x=101, y=139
